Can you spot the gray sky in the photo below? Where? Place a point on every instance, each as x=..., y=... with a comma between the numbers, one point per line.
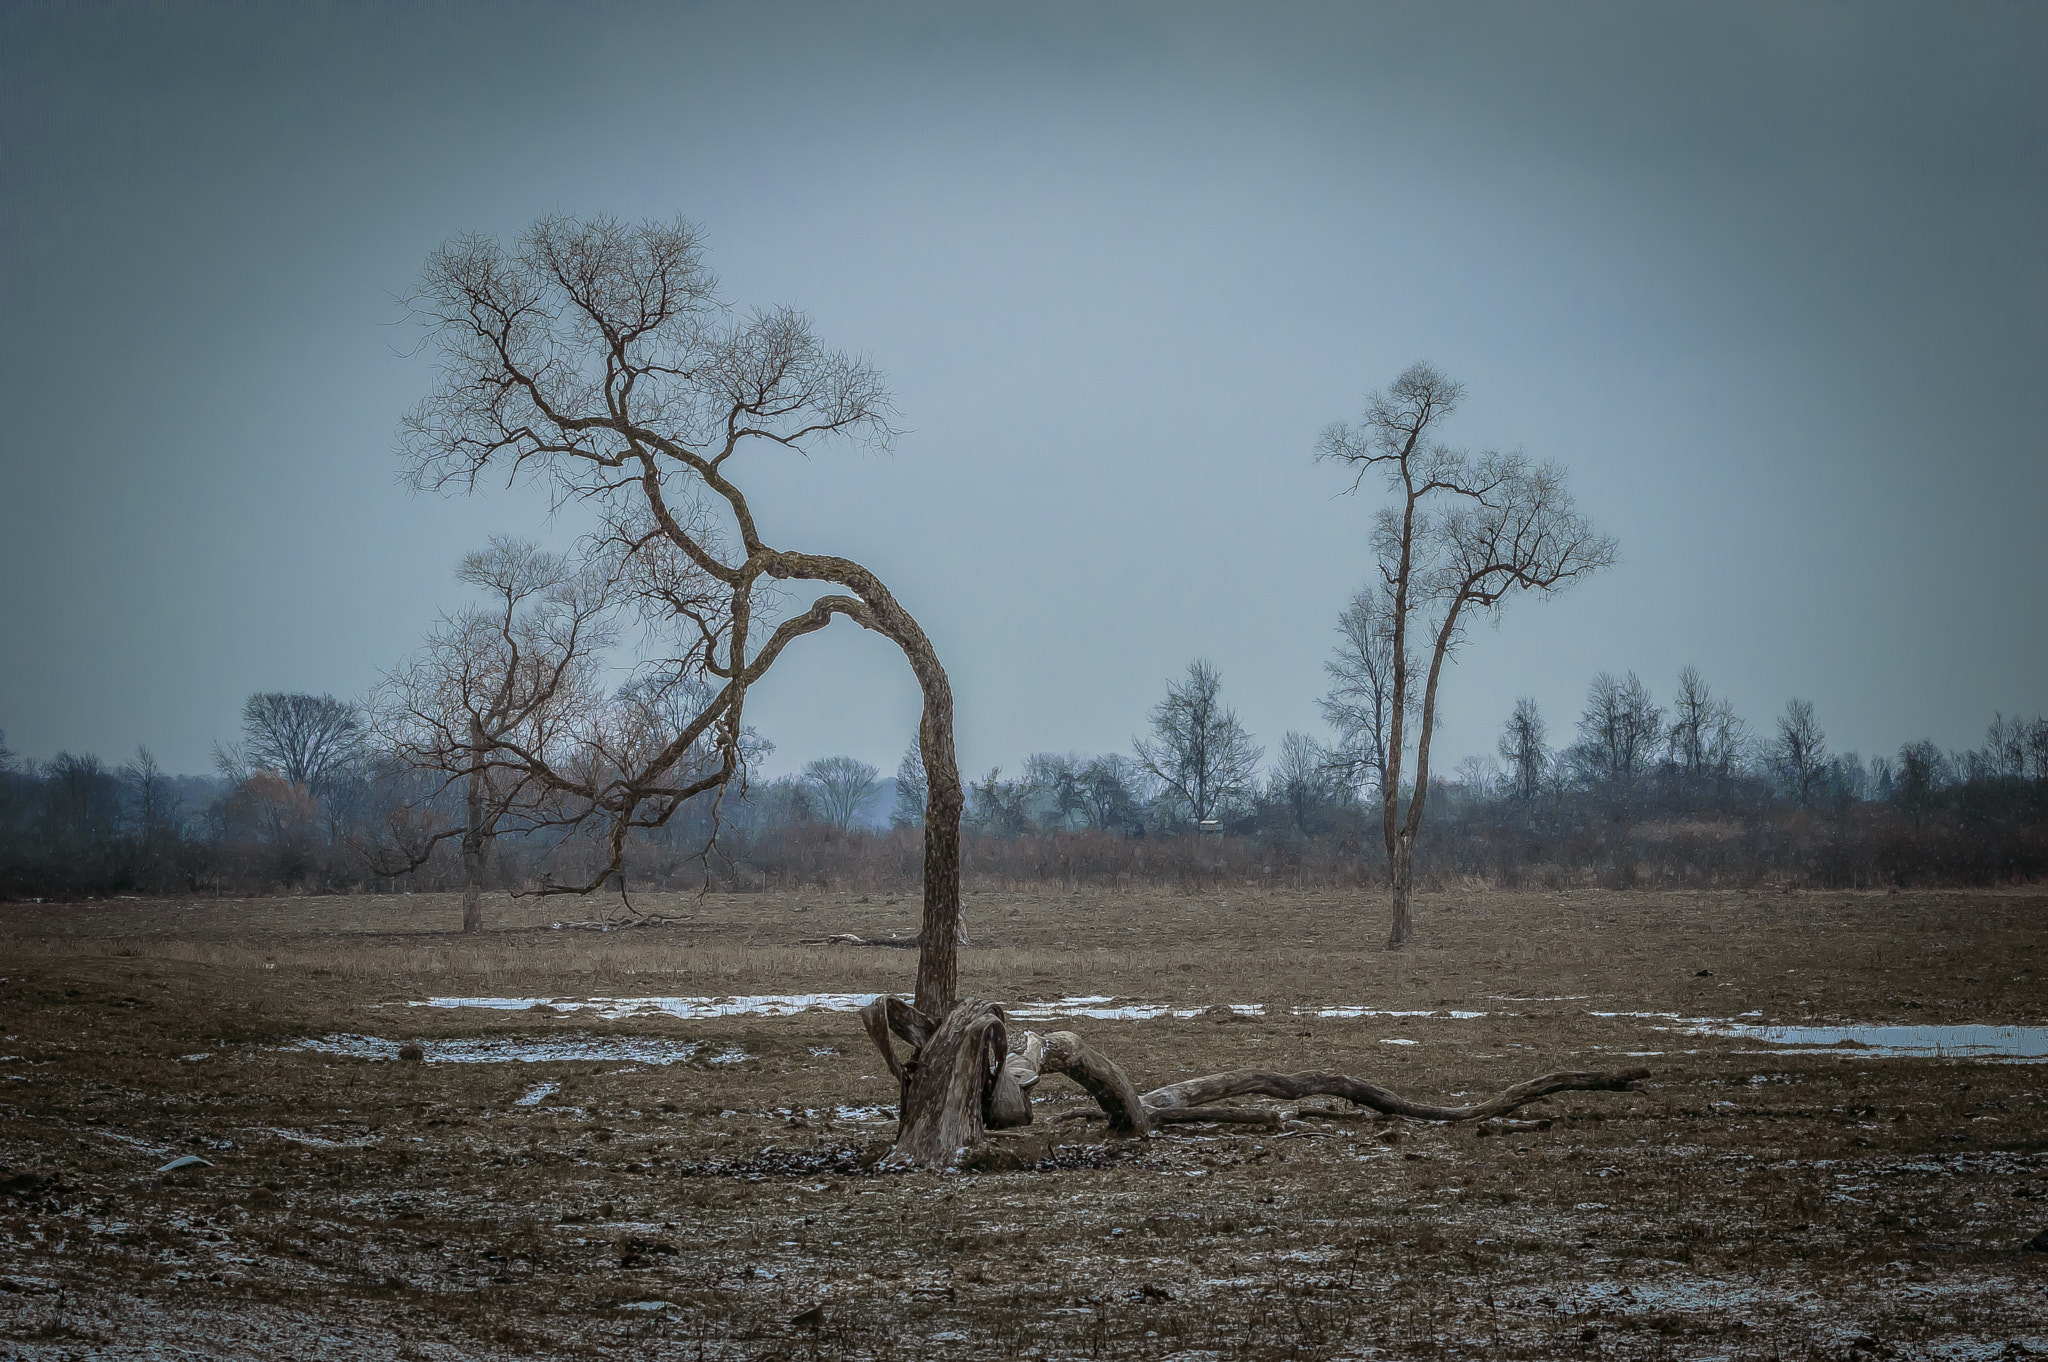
x=1769, y=279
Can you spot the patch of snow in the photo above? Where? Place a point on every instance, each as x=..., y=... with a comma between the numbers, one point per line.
x=319, y=1141
x=511, y=1049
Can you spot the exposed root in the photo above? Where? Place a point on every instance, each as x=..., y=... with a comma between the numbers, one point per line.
x=891, y=943
x=963, y=1079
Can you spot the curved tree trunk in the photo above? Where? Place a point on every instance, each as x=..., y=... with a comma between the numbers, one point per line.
x=938, y=970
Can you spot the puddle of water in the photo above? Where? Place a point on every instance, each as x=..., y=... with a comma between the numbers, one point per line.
x=689, y=1009
x=2017, y=1044
x=1108, y=1009
x=537, y=1094
x=2020, y=1043
x=512, y=1049
x=1095, y=1007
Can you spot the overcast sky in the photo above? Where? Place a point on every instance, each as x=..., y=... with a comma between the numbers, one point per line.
x=1770, y=280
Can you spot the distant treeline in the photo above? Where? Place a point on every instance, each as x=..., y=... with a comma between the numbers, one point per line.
x=1642, y=797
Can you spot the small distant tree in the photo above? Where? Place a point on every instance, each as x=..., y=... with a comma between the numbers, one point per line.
x=843, y=786
x=1055, y=782
x=495, y=690
x=272, y=824
x=1461, y=534
x=1919, y=776
x=309, y=740
x=1115, y=791
x=1846, y=780
x=1692, y=714
x=1198, y=751
x=1800, y=755
x=910, y=790
x=1305, y=784
x=1522, y=748
x=152, y=798
x=1620, y=731
x=2017, y=748
x=81, y=810
x=1001, y=808
x=1478, y=778
x=1359, y=703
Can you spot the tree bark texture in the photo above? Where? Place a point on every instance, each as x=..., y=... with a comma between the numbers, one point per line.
x=476, y=843
x=962, y=1079
x=954, y=1086
x=1401, y=879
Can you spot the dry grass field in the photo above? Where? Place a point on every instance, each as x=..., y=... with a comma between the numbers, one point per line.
x=658, y=1185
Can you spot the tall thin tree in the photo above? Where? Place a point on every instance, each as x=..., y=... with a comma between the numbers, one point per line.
x=1462, y=532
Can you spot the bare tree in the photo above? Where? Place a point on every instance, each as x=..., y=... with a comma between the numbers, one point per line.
x=843, y=786
x=1705, y=741
x=2015, y=746
x=1463, y=533
x=1919, y=777
x=152, y=799
x=910, y=790
x=1199, y=751
x=1800, y=755
x=1305, y=783
x=2037, y=749
x=999, y=807
x=495, y=684
x=1056, y=782
x=1359, y=704
x=1116, y=789
x=1619, y=732
x=1691, y=728
x=1522, y=748
x=309, y=740
x=596, y=354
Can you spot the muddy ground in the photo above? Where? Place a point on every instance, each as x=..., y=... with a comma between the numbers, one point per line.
x=671, y=1186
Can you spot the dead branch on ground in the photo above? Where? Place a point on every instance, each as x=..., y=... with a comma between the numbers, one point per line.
x=964, y=1078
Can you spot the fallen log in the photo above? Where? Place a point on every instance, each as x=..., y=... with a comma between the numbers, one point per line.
x=889, y=943
x=963, y=1078
x=1238, y=1116
x=1213, y=1088
x=1105, y=1080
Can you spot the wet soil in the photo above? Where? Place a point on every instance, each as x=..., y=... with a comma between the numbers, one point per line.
x=562, y=1180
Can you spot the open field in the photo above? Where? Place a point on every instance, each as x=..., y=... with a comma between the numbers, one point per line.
x=671, y=1184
